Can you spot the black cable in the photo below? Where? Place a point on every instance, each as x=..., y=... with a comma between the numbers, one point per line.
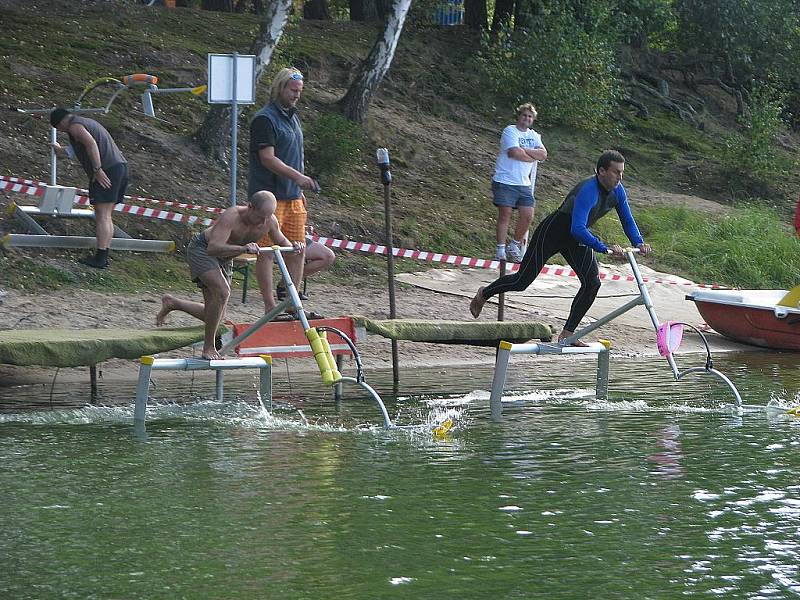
x=288, y=377
x=709, y=362
x=353, y=349
x=52, y=386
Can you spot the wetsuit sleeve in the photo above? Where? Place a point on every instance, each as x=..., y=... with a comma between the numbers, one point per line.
x=584, y=203
x=626, y=218
x=262, y=133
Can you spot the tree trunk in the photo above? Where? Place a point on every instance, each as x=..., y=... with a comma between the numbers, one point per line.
x=355, y=102
x=214, y=134
x=363, y=10
x=475, y=14
x=217, y=5
x=383, y=8
x=316, y=9
x=503, y=9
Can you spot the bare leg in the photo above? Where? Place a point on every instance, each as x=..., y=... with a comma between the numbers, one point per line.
x=216, y=293
x=503, y=220
x=264, y=264
x=104, y=226
x=318, y=258
x=524, y=219
x=170, y=303
x=294, y=263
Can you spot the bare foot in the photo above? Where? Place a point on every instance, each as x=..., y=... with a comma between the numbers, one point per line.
x=167, y=306
x=211, y=354
x=576, y=343
x=476, y=306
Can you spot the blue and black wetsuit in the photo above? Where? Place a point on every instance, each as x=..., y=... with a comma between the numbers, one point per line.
x=566, y=232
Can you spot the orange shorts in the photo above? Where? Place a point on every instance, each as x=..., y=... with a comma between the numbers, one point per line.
x=292, y=216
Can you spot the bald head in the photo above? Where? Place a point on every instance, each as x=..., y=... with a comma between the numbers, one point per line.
x=264, y=202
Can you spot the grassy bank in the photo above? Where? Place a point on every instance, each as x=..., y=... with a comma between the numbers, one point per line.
x=432, y=113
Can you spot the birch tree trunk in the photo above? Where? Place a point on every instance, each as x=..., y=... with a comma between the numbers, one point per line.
x=316, y=9
x=214, y=134
x=355, y=102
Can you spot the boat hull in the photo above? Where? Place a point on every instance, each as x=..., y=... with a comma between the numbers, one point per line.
x=743, y=320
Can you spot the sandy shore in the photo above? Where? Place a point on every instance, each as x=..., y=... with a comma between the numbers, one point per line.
x=431, y=294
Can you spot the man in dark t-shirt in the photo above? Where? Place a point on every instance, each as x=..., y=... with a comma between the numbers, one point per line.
x=106, y=168
x=277, y=165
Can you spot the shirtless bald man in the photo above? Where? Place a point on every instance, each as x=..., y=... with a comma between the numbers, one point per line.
x=210, y=256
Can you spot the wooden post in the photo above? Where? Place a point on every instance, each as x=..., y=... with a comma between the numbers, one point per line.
x=93, y=383
x=386, y=179
x=501, y=298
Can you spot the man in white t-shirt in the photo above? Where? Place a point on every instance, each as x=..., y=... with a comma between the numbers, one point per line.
x=514, y=180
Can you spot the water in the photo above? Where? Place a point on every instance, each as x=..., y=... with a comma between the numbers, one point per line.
x=656, y=493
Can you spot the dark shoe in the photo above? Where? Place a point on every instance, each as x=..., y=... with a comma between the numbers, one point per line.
x=280, y=291
x=309, y=314
x=94, y=262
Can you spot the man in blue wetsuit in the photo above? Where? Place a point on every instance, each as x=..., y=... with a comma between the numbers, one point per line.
x=566, y=231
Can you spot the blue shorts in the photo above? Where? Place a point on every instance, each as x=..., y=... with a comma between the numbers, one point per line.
x=515, y=196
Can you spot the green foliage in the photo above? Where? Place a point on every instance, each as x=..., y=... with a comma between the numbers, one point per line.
x=646, y=23
x=752, y=155
x=744, y=40
x=567, y=73
x=333, y=143
x=749, y=248
x=28, y=274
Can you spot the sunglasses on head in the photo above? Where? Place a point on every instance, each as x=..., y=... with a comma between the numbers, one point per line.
x=296, y=76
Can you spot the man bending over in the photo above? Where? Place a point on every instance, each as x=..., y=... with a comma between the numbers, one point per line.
x=210, y=257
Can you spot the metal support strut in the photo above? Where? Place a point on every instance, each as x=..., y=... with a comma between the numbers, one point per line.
x=506, y=349
x=316, y=337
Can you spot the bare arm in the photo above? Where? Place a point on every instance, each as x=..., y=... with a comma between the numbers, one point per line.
x=218, y=237
x=519, y=154
x=537, y=153
x=266, y=156
x=277, y=236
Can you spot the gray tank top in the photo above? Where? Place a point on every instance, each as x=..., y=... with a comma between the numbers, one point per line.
x=110, y=154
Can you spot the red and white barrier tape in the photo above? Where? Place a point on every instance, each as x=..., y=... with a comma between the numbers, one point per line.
x=40, y=185
x=36, y=188
x=480, y=263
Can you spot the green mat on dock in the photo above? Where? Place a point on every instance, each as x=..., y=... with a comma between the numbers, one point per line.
x=81, y=347
x=470, y=333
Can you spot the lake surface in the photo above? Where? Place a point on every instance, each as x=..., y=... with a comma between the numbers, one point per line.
x=658, y=492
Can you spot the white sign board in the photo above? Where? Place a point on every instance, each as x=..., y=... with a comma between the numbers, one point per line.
x=220, y=78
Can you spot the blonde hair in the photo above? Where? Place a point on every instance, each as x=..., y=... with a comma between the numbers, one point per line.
x=282, y=79
x=527, y=106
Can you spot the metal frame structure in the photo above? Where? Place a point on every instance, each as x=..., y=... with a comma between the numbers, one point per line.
x=643, y=298
x=506, y=349
x=148, y=364
x=23, y=240
x=315, y=335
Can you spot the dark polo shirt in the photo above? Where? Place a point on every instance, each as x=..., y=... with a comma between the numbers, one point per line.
x=279, y=128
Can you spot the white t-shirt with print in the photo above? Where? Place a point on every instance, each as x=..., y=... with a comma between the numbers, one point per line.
x=516, y=172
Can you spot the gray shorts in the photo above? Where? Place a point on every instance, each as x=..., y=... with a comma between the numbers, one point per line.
x=200, y=262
